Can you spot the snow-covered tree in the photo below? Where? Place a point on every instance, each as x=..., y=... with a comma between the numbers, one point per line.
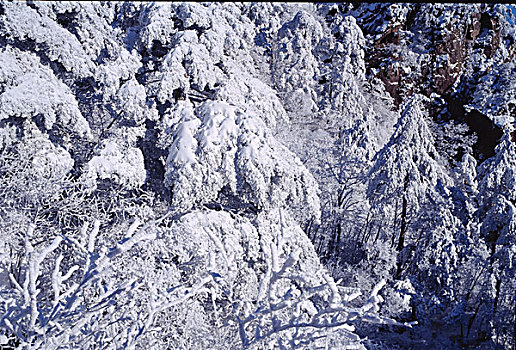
x=497, y=214
x=219, y=151
x=406, y=171
x=294, y=74
x=30, y=90
x=495, y=94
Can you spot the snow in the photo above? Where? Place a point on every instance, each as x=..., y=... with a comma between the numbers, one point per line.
x=255, y=175
x=123, y=166
x=27, y=24
x=31, y=89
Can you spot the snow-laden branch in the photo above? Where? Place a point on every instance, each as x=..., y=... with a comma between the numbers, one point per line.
x=78, y=311
x=293, y=305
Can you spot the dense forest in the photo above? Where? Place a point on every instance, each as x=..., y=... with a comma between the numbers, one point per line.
x=257, y=175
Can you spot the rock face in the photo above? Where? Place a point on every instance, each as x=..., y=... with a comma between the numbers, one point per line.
x=442, y=48
x=435, y=50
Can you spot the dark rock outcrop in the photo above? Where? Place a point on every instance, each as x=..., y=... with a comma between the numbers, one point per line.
x=441, y=51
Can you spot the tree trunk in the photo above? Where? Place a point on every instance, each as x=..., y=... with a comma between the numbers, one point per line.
x=403, y=228
x=394, y=224
x=472, y=319
x=339, y=233
x=514, y=320
x=497, y=295
x=377, y=234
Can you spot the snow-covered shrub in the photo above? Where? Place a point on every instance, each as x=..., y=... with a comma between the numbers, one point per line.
x=31, y=90
x=124, y=166
x=217, y=149
x=82, y=304
x=27, y=25
x=265, y=287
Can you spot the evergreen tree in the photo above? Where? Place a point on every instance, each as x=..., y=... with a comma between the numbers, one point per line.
x=497, y=215
x=405, y=172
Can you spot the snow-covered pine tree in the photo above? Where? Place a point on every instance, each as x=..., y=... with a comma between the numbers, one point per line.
x=404, y=173
x=497, y=215
x=294, y=74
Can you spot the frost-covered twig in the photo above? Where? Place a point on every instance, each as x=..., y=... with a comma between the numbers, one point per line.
x=69, y=318
x=291, y=308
